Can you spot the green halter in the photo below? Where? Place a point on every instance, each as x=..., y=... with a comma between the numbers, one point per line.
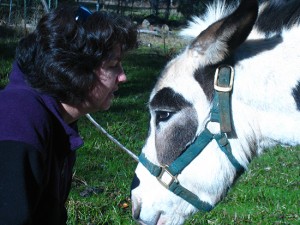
x=221, y=113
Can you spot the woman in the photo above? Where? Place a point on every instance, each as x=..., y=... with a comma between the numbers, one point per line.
x=69, y=66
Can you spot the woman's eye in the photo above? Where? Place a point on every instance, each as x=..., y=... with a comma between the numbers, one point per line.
x=163, y=116
x=114, y=65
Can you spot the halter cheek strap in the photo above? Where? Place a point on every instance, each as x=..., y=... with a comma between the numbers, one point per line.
x=167, y=175
x=221, y=113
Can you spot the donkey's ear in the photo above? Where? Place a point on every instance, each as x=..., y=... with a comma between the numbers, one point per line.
x=223, y=36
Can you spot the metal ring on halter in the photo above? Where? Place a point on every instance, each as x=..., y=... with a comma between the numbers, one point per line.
x=166, y=181
x=220, y=88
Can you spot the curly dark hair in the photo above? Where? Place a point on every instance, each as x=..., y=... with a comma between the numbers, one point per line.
x=59, y=58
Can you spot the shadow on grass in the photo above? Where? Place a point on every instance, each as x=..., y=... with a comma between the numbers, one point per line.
x=8, y=42
x=142, y=70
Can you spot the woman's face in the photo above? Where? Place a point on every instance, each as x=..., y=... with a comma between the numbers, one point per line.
x=109, y=74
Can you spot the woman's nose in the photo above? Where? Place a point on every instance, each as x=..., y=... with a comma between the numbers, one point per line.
x=122, y=76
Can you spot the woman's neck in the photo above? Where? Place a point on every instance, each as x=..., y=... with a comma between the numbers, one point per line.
x=70, y=113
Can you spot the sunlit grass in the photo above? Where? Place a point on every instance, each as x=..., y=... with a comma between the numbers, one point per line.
x=101, y=164
x=268, y=193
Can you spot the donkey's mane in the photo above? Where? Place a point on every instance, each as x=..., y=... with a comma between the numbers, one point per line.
x=274, y=16
x=215, y=11
x=278, y=15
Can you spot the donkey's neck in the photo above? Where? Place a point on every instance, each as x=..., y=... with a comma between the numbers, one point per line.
x=264, y=108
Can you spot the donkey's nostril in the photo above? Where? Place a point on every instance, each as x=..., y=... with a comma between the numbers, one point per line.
x=136, y=209
x=136, y=212
x=135, y=182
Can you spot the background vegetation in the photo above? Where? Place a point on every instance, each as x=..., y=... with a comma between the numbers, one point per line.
x=29, y=11
x=267, y=194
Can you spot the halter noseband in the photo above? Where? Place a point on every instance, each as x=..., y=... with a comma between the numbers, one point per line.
x=221, y=113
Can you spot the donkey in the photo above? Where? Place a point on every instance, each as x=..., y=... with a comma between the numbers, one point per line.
x=231, y=93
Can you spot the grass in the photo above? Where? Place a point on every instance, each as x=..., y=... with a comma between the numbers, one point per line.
x=101, y=165
x=8, y=41
x=267, y=194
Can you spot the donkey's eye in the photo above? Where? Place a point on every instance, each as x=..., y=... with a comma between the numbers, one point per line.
x=163, y=116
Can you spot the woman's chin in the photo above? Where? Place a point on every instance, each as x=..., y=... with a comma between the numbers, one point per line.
x=106, y=105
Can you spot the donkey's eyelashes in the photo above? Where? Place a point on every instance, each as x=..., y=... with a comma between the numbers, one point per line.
x=162, y=116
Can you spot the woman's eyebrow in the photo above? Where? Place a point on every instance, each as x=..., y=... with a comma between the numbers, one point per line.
x=114, y=58
x=118, y=58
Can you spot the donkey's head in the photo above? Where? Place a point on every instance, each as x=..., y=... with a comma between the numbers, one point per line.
x=183, y=167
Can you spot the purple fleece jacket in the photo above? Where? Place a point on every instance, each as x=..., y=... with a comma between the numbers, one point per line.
x=37, y=154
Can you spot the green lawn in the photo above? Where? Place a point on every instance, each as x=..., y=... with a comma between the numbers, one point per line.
x=267, y=194
x=103, y=167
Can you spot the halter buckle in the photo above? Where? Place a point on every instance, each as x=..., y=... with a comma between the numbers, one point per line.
x=220, y=88
x=166, y=178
